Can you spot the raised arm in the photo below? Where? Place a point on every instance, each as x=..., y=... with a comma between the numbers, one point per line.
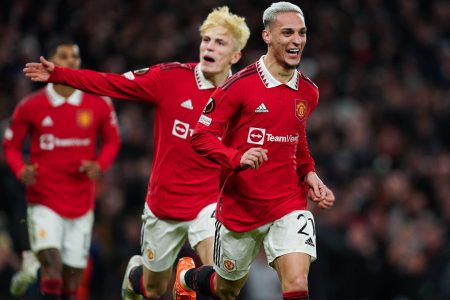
x=144, y=87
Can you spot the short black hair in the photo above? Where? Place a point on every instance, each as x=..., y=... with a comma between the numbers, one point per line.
x=53, y=43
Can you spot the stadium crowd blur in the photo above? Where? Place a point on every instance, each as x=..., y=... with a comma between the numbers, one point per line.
x=380, y=136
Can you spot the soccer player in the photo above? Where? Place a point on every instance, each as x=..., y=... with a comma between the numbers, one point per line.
x=254, y=128
x=183, y=187
x=64, y=125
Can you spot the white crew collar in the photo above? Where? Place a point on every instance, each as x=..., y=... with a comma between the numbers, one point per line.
x=57, y=100
x=270, y=81
x=202, y=82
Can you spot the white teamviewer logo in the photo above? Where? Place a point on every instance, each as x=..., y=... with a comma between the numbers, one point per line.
x=181, y=129
x=49, y=142
x=258, y=135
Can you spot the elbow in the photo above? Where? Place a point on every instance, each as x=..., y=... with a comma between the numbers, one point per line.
x=194, y=141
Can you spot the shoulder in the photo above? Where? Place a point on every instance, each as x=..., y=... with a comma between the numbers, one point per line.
x=34, y=99
x=305, y=80
x=240, y=76
x=308, y=89
x=99, y=101
x=162, y=68
x=177, y=66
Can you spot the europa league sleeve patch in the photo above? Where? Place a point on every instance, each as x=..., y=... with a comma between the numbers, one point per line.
x=210, y=106
x=141, y=72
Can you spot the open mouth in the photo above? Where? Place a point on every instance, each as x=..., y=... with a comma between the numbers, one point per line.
x=293, y=51
x=208, y=58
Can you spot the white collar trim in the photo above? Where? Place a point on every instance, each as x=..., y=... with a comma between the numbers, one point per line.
x=202, y=82
x=57, y=100
x=270, y=81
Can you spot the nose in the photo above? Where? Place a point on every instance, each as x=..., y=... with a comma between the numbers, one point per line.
x=298, y=39
x=210, y=45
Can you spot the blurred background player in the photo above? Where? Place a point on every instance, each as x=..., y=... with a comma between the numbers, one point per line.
x=256, y=131
x=183, y=188
x=65, y=126
x=24, y=281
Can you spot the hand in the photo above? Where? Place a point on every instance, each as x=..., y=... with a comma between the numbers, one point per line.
x=39, y=71
x=253, y=158
x=91, y=168
x=28, y=174
x=326, y=202
x=317, y=186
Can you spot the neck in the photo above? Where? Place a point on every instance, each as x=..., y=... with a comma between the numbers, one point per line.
x=279, y=72
x=218, y=78
x=63, y=90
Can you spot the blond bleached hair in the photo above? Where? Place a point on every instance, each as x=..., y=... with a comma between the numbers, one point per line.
x=235, y=24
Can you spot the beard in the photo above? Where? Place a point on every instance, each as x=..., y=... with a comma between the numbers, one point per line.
x=281, y=60
x=290, y=66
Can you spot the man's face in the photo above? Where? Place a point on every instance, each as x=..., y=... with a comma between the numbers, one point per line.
x=286, y=37
x=67, y=56
x=217, y=51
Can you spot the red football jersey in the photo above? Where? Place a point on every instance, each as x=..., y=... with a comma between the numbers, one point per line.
x=63, y=132
x=253, y=109
x=182, y=182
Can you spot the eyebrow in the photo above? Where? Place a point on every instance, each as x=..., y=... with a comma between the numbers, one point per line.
x=292, y=29
x=215, y=39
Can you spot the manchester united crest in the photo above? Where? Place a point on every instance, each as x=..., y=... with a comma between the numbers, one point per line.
x=229, y=264
x=301, y=109
x=42, y=234
x=85, y=118
x=150, y=254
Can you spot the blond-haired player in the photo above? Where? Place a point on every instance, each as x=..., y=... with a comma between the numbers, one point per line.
x=183, y=187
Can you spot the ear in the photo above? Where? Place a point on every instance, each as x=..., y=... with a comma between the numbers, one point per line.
x=236, y=57
x=266, y=36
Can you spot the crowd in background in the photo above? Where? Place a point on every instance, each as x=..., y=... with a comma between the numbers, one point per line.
x=380, y=135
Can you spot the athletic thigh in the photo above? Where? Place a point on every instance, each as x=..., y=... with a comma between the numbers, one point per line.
x=234, y=252
x=161, y=241
x=45, y=228
x=293, y=233
x=77, y=240
x=203, y=226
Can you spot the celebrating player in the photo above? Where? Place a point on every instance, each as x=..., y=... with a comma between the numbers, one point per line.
x=254, y=128
x=183, y=188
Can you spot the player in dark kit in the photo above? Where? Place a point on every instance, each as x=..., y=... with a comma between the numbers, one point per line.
x=64, y=126
x=183, y=188
x=255, y=130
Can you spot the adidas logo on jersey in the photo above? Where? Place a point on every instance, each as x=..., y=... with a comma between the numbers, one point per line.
x=310, y=242
x=47, y=122
x=261, y=108
x=187, y=104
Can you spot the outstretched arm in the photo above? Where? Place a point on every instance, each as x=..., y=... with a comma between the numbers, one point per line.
x=39, y=72
x=133, y=87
